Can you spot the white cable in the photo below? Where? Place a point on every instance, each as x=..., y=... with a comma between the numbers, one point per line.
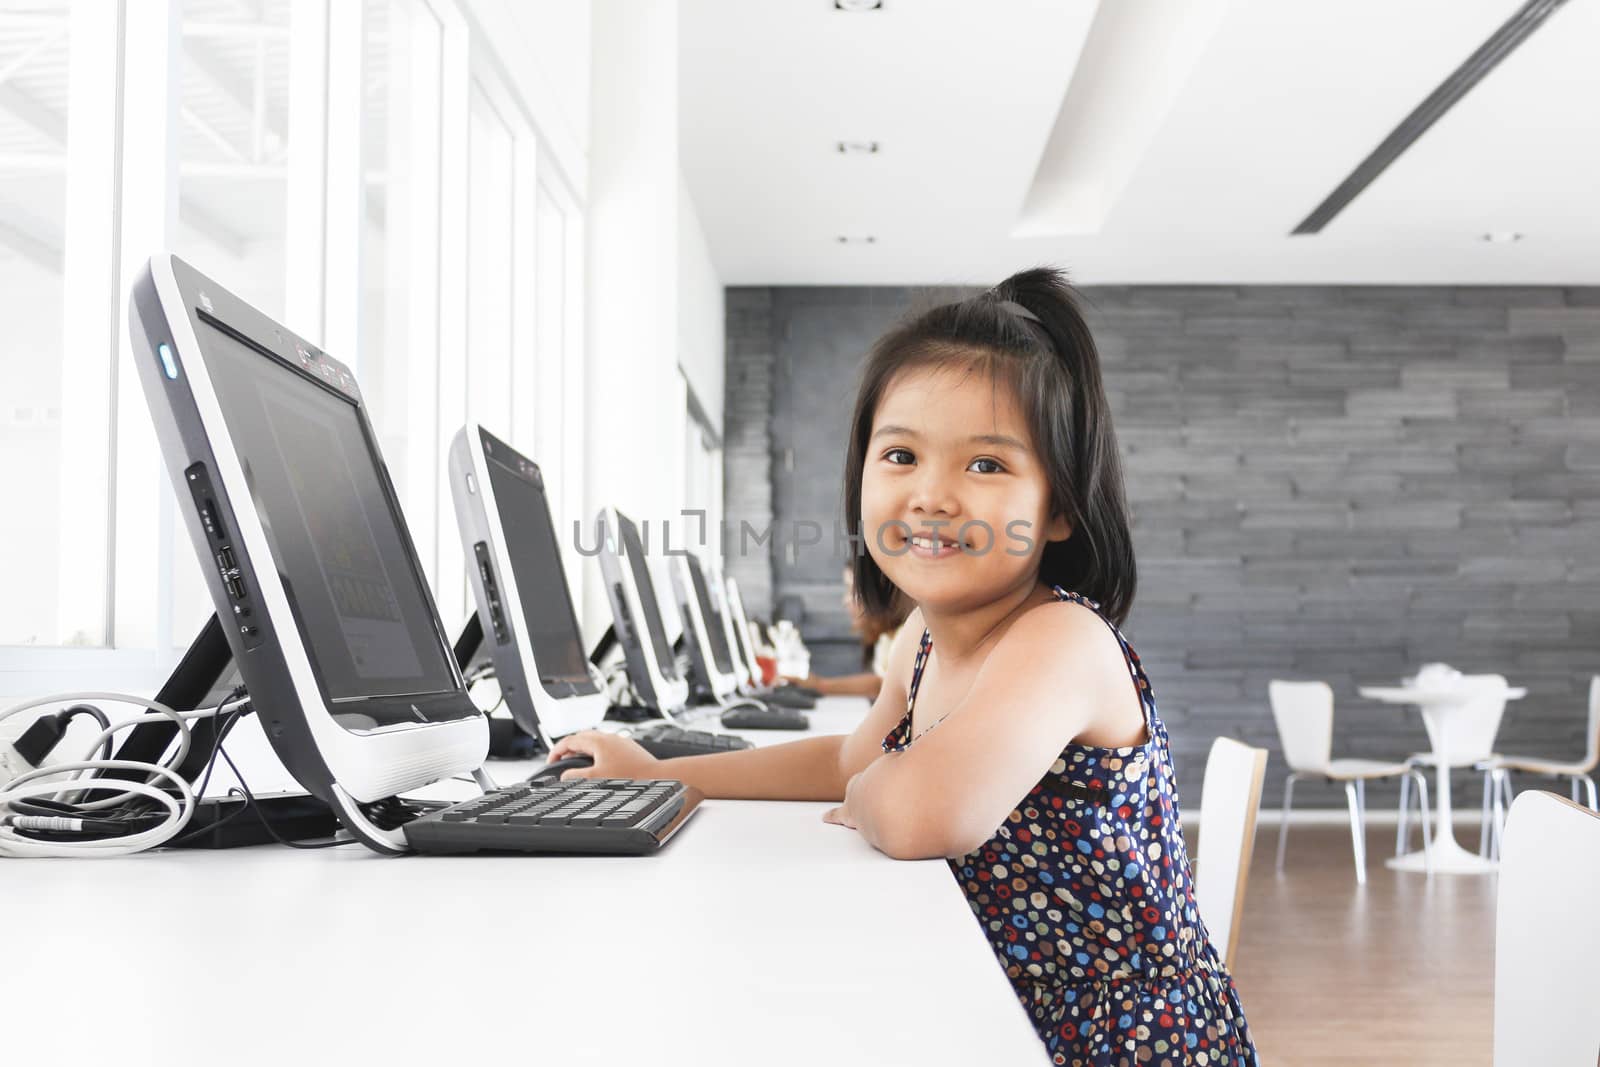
x=179, y=812
x=36, y=783
x=177, y=757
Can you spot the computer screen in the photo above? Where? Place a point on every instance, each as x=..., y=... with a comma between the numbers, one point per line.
x=741, y=629
x=712, y=615
x=633, y=549
x=548, y=618
x=362, y=605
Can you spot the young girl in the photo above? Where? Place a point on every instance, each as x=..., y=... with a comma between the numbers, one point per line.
x=1015, y=733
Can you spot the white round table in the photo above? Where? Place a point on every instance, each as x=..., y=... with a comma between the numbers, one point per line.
x=1437, y=705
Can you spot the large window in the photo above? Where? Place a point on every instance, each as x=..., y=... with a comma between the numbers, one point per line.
x=35, y=49
x=362, y=170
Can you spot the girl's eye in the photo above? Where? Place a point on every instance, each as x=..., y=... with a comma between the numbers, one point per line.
x=899, y=456
x=985, y=465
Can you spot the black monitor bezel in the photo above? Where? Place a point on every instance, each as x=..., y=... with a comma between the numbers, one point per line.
x=209, y=304
x=624, y=554
x=710, y=618
x=558, y=688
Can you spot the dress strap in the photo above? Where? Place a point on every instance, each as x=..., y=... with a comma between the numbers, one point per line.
x=900, y=736
x=923, y=648
x=1147, y=696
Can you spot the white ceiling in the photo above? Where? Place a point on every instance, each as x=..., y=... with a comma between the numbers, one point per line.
x=1272, y=104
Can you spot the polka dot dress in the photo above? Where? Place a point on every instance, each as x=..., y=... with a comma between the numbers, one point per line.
x=1087, y=900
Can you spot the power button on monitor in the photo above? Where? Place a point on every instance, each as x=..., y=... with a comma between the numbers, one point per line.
x=169, y=364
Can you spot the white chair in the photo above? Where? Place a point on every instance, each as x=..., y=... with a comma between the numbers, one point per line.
x=1547, y=935
x=1230, y=796
x=1304, y=714
x=1579, y=774
x=1470, y=743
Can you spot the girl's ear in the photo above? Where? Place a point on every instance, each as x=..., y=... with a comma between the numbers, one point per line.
x=1057, y=528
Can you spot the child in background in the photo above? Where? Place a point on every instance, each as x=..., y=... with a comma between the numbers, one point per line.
x=877, y=634
x=1015, y=733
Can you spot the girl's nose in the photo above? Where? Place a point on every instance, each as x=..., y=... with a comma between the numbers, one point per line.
x=933, y=495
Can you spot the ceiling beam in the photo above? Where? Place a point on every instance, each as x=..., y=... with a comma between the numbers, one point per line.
x=31, y=239
x=212, y=229
x=1474, y=69
x=27, y=56
x=45, y=120
x=237, y=89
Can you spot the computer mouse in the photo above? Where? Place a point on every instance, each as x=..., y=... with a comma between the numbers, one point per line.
x=744, y=717
x=560, y=767
x=786, y=698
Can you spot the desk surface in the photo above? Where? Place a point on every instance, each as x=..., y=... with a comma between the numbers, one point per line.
x=759, y=935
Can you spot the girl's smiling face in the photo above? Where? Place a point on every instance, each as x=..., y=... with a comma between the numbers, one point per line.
x=955, y=505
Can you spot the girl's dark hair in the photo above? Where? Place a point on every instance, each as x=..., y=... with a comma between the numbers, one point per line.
x=1028, y=333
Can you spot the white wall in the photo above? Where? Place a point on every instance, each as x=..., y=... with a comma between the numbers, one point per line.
x=544, y=51
x=700, y=322
x=631, y=314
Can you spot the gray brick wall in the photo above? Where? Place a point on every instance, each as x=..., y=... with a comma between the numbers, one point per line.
x=1327, y=482
x=747, y=474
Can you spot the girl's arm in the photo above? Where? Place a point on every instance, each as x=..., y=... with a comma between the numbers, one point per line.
x=815, y=768
x=1057, y=671
x=865, y=684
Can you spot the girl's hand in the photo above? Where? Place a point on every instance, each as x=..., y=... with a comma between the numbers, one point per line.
x=812, y=681
x=842, y=815
x=614, y=756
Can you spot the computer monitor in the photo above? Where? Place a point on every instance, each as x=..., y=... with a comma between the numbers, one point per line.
x=718, y=588
x=741, y=629
x=636, y=615
x=305, y=553
x=524, y=603
x=703, y=628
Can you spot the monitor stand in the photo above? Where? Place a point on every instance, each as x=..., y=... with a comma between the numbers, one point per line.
x=197, y=678
x=507, y=740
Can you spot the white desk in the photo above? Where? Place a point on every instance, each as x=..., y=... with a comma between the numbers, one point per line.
x=1438, y=707
x=759, y=935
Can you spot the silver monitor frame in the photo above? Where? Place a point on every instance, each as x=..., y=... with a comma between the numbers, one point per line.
x=343, y=764
x=658, y=686
x=536, y=709
x=723, y=686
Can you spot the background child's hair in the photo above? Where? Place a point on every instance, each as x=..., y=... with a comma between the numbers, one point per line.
x=1028, y=333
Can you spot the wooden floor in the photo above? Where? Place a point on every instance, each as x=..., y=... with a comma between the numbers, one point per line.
x=1400, y=971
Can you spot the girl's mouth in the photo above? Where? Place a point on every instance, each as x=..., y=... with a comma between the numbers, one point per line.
x=931, y=546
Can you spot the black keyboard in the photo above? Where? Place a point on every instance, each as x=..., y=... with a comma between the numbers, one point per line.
x=613, y=815
x=666, y=741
